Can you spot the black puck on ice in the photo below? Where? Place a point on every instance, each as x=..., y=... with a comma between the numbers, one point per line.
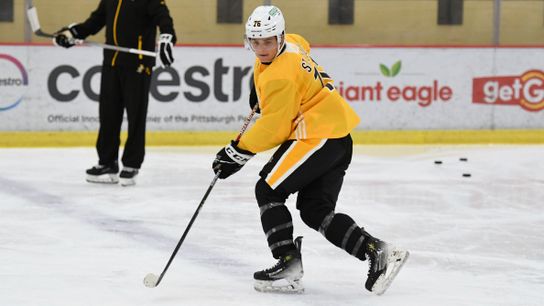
x=467, y=175
x=463, y=159
x=438, y=162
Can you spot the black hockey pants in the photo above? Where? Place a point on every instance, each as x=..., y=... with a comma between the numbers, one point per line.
x=123, y=88
x=318, y=179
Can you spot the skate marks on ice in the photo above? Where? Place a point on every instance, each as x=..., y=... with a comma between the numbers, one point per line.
x=130, y=229
x=472, y=242
x=137, y=230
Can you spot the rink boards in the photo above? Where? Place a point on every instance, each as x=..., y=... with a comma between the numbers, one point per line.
x=403, y=95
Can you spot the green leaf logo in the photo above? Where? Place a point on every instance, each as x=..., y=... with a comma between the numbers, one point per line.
x=396, y=68
x=385, y=70
x=393, y=71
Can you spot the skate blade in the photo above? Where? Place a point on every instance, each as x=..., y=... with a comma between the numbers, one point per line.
x=280, y=286
x=127, y=182
x=103, y=179
x=396, y=260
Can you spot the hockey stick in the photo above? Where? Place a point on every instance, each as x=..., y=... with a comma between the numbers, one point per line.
x=32, y=15
x=152, y=280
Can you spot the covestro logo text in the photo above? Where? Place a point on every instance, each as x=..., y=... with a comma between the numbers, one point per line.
x=13, y=82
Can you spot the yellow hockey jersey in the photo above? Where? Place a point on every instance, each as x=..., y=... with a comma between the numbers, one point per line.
x=297, y=101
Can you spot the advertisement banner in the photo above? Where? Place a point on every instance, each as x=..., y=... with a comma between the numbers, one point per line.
x=44, y=88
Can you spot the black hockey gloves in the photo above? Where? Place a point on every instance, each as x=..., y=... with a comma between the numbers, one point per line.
x=165, y=49
x=230, y=159
x=66, y=37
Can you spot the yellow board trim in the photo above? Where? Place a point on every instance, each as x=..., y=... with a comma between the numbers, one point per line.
x=219, y=138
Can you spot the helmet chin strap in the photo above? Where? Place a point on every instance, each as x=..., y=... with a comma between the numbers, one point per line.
x=281, y=43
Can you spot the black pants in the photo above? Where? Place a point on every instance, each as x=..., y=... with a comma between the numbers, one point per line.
x=318, y=178
x=122, y=88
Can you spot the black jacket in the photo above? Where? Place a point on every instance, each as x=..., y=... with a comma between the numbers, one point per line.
x=130, y=24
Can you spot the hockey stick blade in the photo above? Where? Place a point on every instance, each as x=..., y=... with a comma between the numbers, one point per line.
x=32, y=16
x=34, y=21
x=151, y=280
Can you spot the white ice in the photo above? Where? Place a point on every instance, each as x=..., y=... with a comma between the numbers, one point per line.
x=473, y=241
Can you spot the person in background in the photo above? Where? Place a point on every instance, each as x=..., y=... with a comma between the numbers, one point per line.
x=125, y=79
x=303, y=114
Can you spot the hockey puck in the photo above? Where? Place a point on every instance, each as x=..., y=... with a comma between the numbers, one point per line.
x=438, y=162
x=150, y=280
x=463, y=159
x=467, y=175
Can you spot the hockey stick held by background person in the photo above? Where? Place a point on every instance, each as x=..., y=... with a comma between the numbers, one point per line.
x=152, y=280
x=32, y=15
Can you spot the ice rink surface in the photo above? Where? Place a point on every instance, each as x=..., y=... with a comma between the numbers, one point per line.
x=473, y=241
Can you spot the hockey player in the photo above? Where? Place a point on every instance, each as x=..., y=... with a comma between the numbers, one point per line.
x=303, y=114
x=125, y=80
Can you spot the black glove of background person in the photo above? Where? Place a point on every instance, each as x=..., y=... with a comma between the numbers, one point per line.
x=230, y=159
x=165, y=49
x=66, y=37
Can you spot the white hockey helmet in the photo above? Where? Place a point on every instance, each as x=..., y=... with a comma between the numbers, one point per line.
x=266, y=21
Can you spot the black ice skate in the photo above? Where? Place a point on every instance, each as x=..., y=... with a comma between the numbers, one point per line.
x=128, y=176
x=285, y=276
x=385, y=263
x=105, y=174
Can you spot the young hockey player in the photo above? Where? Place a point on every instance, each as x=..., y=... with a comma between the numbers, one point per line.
x=303, y=114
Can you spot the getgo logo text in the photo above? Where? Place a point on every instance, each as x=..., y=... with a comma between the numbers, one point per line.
x=526, y=90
